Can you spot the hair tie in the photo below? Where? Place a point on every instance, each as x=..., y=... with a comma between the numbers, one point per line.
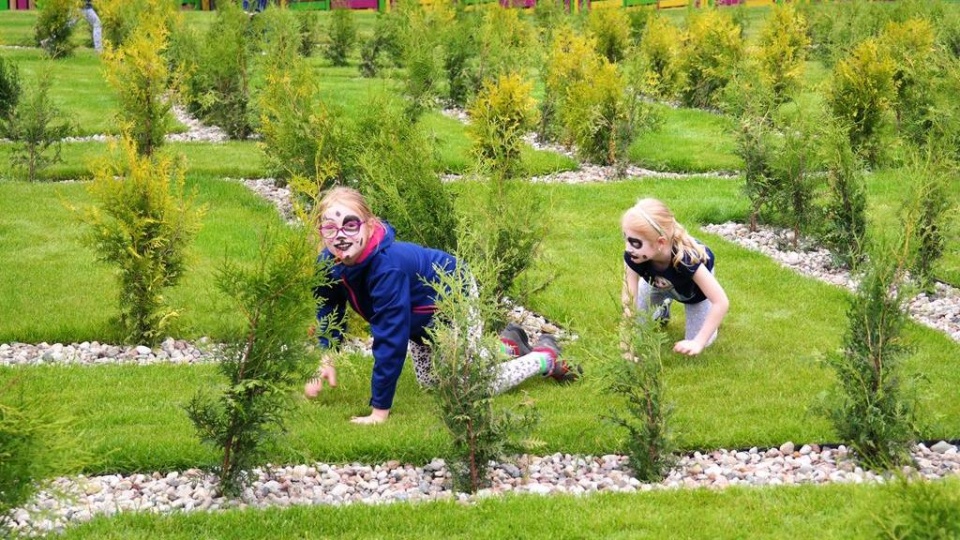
x=652, y=223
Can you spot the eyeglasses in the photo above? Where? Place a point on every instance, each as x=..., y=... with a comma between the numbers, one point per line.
x=350, y=228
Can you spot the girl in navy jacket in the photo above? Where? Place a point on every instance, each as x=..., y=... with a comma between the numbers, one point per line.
x=387, y=282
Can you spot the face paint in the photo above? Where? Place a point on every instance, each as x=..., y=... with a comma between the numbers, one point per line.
x=638, y=249
x=344, y=233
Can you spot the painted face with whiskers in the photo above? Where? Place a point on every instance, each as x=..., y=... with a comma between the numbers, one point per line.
x=344, y=233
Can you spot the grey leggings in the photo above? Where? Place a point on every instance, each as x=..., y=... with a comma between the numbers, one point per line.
x=696, y=314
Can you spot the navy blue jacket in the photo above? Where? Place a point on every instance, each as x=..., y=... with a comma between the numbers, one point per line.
x=390, y=288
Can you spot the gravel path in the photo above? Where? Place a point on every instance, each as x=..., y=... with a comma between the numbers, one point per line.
x=78, y=499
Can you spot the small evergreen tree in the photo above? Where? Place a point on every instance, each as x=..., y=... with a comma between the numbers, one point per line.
x=712, y=49
x=342, y=35
x=929, y=207
x=465, y=366
x=659, y=50
x=143, y=223
x=502, y=113
x=421, y=33
x=861, y=92
x=871, y=410
x=218, y=84
x=276, y=300
x=508, y=228
x=782, y=51
x=54, y=27
x=34, y=445
x=37, y=128
x=639, y=381
x=755, y=149
x=611, y=29
x=846, y=211
x=139, y=73
x=794, y=181
x=10, y=92
x=395, y=170
x=301, y=137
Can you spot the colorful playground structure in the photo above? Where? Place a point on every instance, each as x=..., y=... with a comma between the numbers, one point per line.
x=383, y=5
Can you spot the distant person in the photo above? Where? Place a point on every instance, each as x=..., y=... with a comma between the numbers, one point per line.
x=261, y=5
x=388, y=283
x=664, y=263
x=90, y=15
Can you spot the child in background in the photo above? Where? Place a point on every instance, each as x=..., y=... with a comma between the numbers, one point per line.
x=387, y=282
x=664, y=263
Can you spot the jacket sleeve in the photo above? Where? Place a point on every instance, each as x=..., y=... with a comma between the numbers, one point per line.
x=331, y=315
x=390, y=326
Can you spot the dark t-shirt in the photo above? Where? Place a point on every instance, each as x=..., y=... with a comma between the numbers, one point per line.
x=674, y=281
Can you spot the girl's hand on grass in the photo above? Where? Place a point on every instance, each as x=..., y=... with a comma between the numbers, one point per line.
x=315, y=385
x=688, y=347
x=378, y=416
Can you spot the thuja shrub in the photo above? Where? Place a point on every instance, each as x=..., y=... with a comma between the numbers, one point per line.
x=835, y=28
x=571, y=59
x=461, y=50
x=10, y=91
x=911, y=46
x=217, y=88
x=501, y=114
x=846, y=207
x=121, y=18
x=871, y=409
x=308, y=23
x=300, y=136
x=611, y=29
x=279, y=37
x=37, y=128
x=795, y=181
x=506, y=39
x=920, y=509
x=465, y=365
x=548, y=16
x=948, y=33
x=509, y=228
x=54, y=27
x=597, y=114
x=261, y=368
x=422, y=55
x=34, y=446
x=860, y=94
x=385, y=46
x=931, y=208
x=755, y=148
x=660, y=49
x=638, y=381
x=781, y=51
x=142, y=223
x=395, y=171
x=341, y=35
x=712, y=48
x=139, y=73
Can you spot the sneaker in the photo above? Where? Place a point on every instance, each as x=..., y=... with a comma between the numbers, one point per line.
x=561, y=371
x=661, y=315
x=514, y=336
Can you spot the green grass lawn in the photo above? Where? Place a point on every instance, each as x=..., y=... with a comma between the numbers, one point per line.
x=759, y=385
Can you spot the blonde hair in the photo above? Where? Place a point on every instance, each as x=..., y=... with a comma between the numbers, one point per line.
x=651, y=218
x=348, y=197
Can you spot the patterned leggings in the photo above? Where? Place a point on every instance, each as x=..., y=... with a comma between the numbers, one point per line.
x=509, y=373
